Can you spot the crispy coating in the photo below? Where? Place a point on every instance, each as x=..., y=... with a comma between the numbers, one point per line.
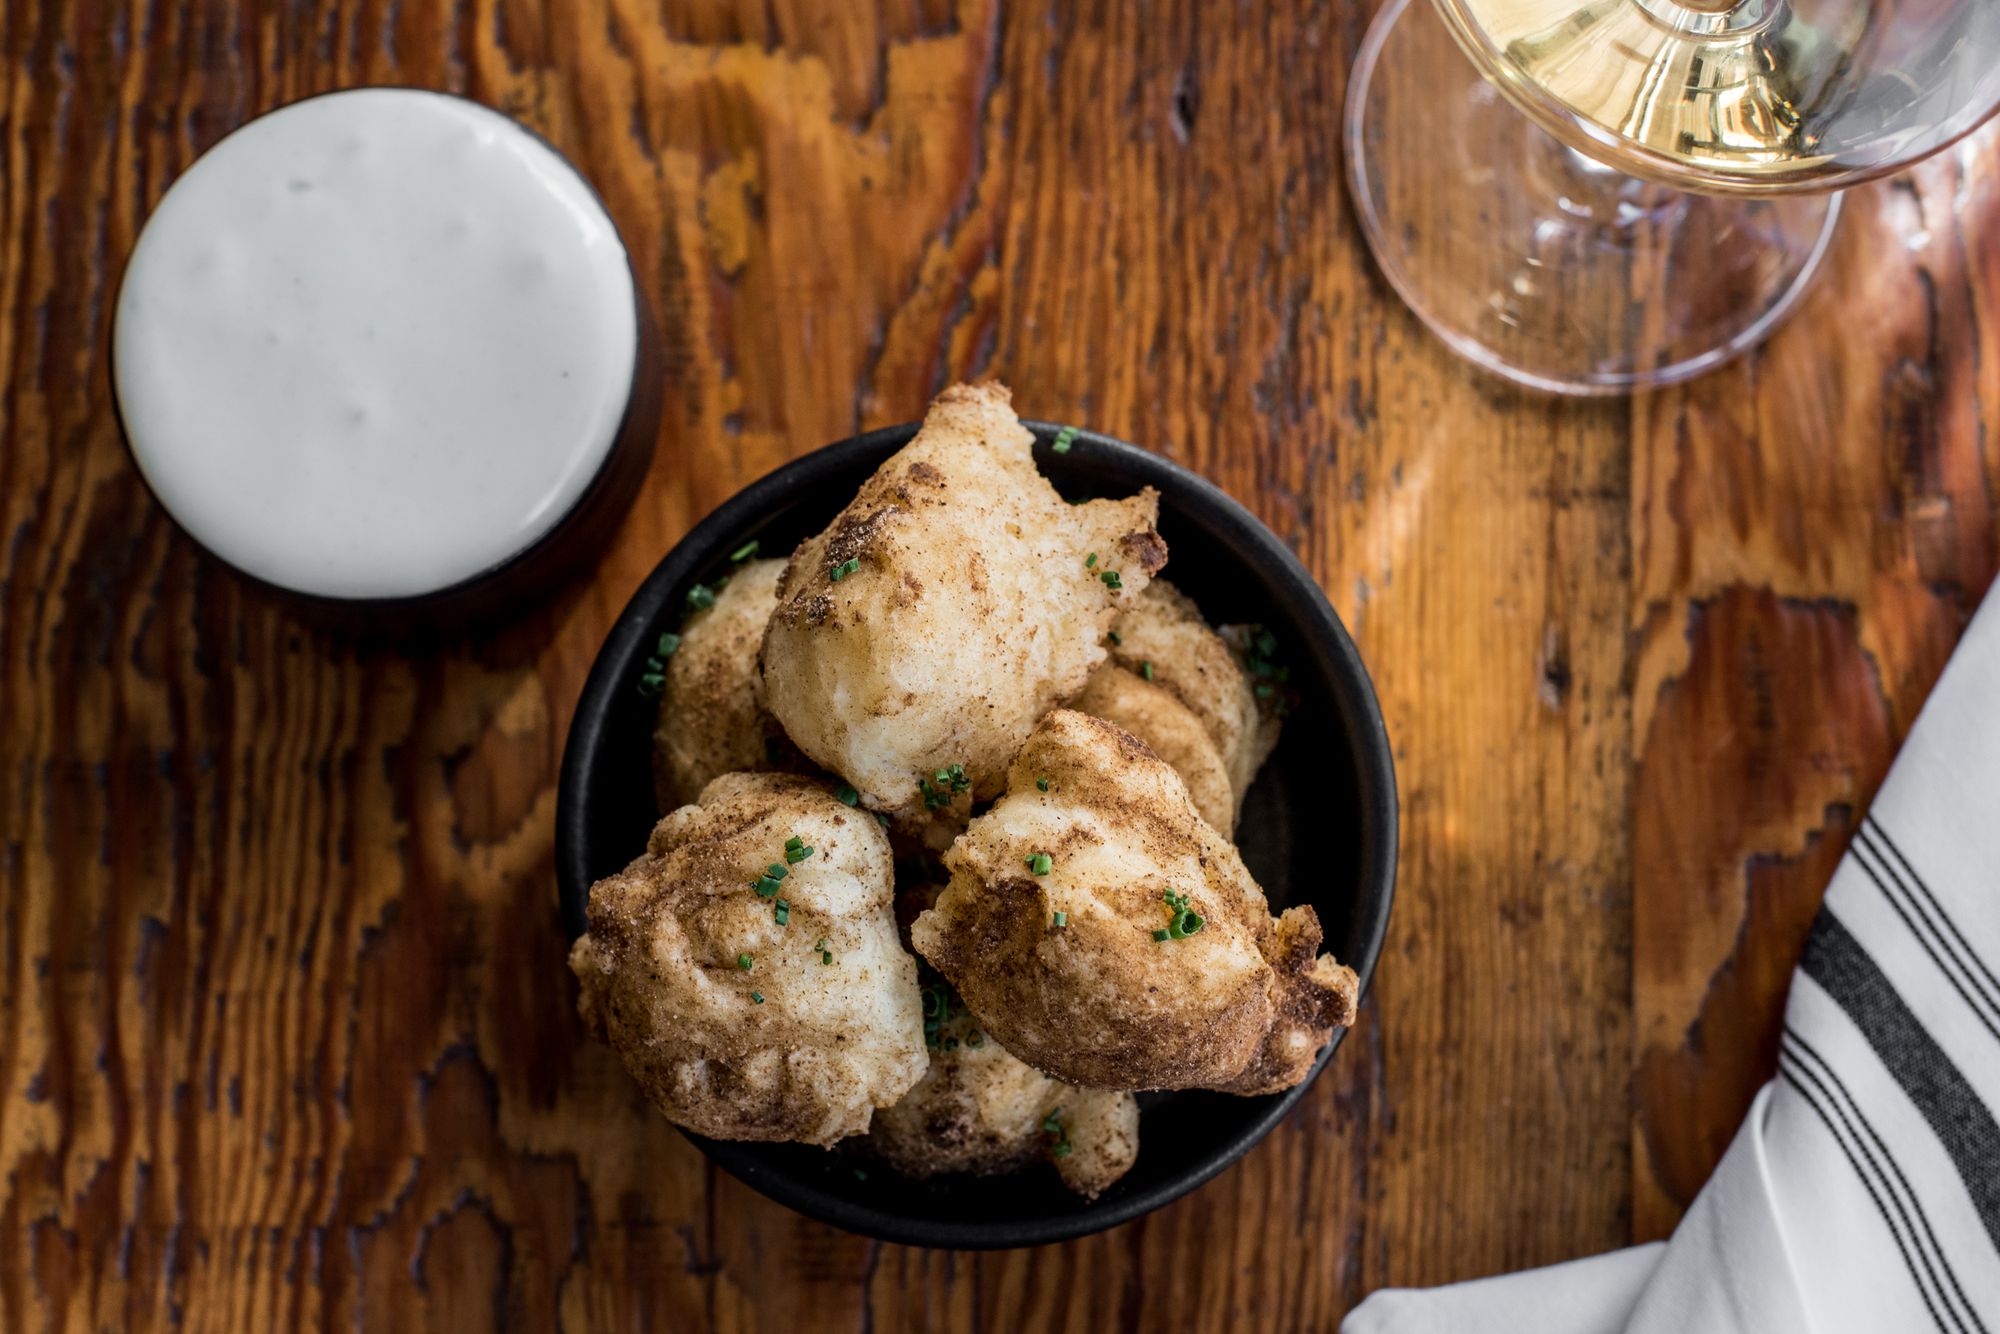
x=1243, y=1005
x=981, y=1110
x=1196, y=665
x=969, y=614
x=1102, y=1128
x=712, y=720
x=1171, y=729
x=662, y=983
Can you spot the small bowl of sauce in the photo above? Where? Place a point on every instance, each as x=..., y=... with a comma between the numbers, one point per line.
x=383, y=351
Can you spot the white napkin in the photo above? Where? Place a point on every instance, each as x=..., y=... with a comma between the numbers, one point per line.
x=1863, y=1191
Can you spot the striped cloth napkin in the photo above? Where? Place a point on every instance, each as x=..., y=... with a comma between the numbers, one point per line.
x=1863, y=1191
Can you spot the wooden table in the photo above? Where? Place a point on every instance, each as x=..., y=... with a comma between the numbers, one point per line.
x=285, y=1031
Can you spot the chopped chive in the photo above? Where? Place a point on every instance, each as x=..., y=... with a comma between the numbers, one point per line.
x=766, y=887
x=1111, y=580
x=1064, y=439
x=882, y=819
x=776, y=872
x=1040, y=863
x=655, y=665
x=744, y=961
x=943, y=785
x=794, y=842
x=757, y=996
x=1146, y=668
x=848, y=796
x=781, y=913
x=1052, y=1123
x=666, y=644
x=798, y=854
x=651, y=684
x=1116, y=639
x=744, y=552
x=1042, y=784
x=700, y=598
x=1265, y=690
x=1090, y=561
x=1062, y=1149
x=826, y=956
x=1162, y=934
x=975, y=1039
x=842, y=570
x=1060, y=919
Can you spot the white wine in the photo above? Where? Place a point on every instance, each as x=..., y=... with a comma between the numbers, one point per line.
x=1757, y=96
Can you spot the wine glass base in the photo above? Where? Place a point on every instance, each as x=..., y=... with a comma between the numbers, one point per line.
x=1538, y=263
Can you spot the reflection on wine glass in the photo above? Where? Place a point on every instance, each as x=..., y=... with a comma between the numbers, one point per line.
x=1669, y=191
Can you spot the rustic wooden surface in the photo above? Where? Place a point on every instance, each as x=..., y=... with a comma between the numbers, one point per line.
x=285, y=1033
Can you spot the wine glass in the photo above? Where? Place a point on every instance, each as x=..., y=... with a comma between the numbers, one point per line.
x=1616, y=194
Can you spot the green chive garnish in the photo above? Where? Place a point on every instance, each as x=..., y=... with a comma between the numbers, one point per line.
x=1060, y=919
x=757, y=996
x=975, y=1039
x=1064, y=439
x=1116, y=638
x=1042, y=784
x=666, y=644
x=744, y=961
x=776, y=872
x=700, y=598
x=842, y=570
x=766, y=887
x=651, y=684
x=744, y=552
x=798, y=854
x=1090, y=561
x=1146, y=669
x=781, y=912
x=1111, y=580
x=848, y=796
x=1162, y=934
x=1040, y=863
x=882, y=819
x=1062, y=1149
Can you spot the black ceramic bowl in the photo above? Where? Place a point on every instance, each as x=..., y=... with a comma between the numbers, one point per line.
x=1318, y=827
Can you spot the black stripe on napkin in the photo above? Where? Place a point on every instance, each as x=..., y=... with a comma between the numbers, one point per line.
x=1787, y=1071
x=1949, y=936
x=1962, y=1123
x=1898, y=895
x=1798, y=1057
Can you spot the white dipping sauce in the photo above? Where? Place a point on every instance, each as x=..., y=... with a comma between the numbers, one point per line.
x=375, y=343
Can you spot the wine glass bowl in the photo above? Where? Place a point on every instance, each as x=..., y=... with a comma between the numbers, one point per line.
x=1667, y=190
x=1753, y=97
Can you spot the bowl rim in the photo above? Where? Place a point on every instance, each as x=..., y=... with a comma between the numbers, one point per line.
x=1228, y=521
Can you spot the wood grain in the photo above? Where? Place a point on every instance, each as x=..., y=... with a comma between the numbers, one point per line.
x=285, y=1036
